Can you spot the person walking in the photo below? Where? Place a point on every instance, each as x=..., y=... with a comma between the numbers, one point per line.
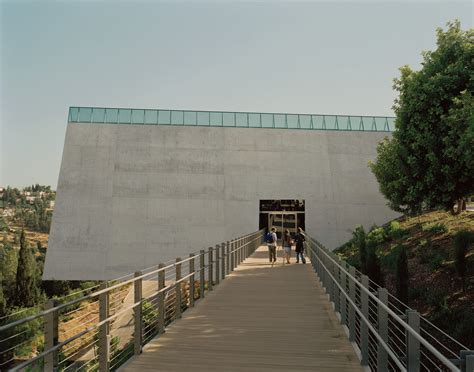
x=271, y=239
x=287, y=243
x=299, y=241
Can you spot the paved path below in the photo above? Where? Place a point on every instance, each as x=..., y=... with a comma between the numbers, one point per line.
x=260, y=318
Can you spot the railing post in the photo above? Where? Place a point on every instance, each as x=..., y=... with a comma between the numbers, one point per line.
x=228, y=269
x=178, y=288
x=239, y=251
x=337, y=294
x=364, y=329
x=51, y=337
x=202, y=278
x=352, y=313
x=232, y=255
x=191, y=280
x=137, y=311
x=467, y=356
x=210, y=268
x=223, y=266
x=413, y=345
x=343, y=298
x=104, y=330
x=382, y=319
x=218, y=262
x=161, y=300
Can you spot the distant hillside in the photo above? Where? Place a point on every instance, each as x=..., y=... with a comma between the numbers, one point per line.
x=434, y=287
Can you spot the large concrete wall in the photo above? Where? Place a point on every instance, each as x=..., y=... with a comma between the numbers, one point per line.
x=131, y=196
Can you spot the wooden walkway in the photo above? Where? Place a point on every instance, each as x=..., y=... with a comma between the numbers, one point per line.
x=260, y=318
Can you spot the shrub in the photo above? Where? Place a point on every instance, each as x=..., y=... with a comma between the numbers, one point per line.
x=377, y=235
x=389, y=260
x=395, y=231
x=436, y=261
x=436, y=228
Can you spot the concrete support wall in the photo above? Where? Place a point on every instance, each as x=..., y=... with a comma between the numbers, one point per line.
x=131, y=196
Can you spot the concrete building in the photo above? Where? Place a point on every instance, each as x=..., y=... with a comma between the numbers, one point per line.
x=139, y=187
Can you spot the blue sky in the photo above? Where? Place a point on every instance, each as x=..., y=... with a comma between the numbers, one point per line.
x=268, y=56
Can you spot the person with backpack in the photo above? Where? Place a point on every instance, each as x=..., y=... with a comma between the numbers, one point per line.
x=287, y=243
x=299, y=240
x=271, y=239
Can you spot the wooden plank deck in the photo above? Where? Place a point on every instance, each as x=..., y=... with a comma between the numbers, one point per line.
x=260, y=318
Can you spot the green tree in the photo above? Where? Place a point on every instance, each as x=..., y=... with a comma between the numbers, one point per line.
x=401, y=276
x=462, y=240
x=27, y=292
x=429, y=161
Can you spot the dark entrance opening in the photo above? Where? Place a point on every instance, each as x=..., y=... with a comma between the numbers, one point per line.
x=282, y=214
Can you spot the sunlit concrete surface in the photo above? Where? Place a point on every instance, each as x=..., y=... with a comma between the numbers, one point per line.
x=130, y=196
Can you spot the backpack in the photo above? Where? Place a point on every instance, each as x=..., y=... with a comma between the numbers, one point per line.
x=269, y=237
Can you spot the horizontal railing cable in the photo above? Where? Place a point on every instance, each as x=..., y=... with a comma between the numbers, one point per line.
x=178, y=282
x=401, y=323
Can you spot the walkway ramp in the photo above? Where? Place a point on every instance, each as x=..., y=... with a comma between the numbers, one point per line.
x=262, y=317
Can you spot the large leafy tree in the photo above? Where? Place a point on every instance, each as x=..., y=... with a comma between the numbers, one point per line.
x=429, y=161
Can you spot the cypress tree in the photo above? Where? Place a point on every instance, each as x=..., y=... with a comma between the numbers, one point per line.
x=402, y=274
x=461, y=245
x=359, y=238
x=3, y=303
x=26, y=273
x=374, y=270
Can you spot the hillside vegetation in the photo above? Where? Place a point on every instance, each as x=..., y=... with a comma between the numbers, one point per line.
x=434, y=285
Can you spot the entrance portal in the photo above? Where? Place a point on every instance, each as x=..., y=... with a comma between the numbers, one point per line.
x=283, y=215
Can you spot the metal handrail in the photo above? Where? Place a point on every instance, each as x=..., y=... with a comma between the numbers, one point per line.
x=245, y=246
x=319, y=251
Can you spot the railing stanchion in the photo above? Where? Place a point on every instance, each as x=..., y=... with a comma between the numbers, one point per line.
x=239, y=244
x=137, y=312
x=364, y=329
x=413, y=345
x=210, y=269
x=352, y=312
x=178, y=288
x=51, y=337
x=202, y=279
x=337, y=294
x=218, y=262
x=227, y=256
x=223, y=266
x=161, y=299
x=382, y=319
x=343, y=298
x=192, y=280
x=467, y=357
x=104, y=330
x=232, y=255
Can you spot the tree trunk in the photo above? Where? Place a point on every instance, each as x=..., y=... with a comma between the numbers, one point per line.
x=459, y=206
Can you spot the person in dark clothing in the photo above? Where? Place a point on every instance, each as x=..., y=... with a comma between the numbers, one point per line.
x=299, y=240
